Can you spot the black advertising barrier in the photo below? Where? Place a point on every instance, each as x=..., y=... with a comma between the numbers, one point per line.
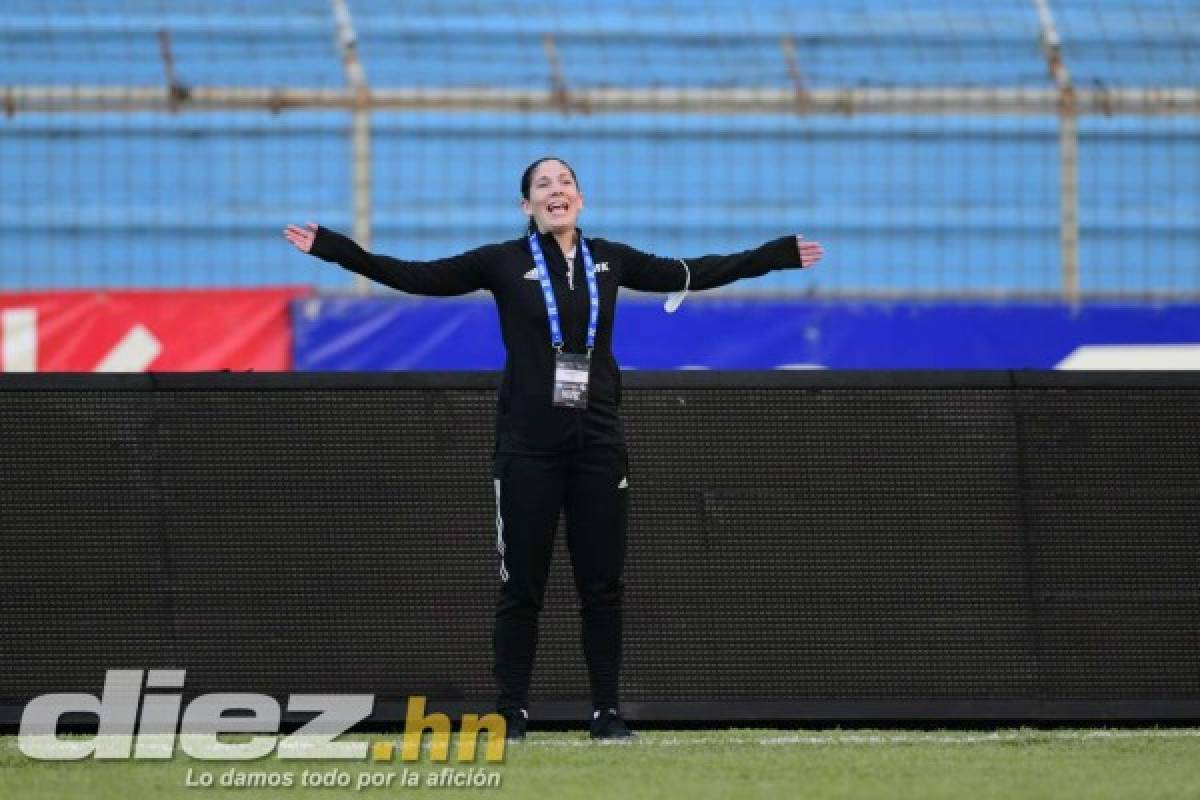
x=803, y=545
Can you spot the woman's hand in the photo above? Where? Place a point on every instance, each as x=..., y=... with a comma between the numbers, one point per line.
x=301, y=238
x=810, y=252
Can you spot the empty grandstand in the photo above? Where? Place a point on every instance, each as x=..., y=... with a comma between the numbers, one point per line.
x=931, y=144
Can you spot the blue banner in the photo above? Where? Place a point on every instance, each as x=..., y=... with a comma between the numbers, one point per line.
x=463, y=334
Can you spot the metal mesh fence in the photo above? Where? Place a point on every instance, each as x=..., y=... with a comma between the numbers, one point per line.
x=887, y=545
x=1042, y=148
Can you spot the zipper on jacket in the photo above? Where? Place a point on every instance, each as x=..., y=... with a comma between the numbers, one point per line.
x=570, y=273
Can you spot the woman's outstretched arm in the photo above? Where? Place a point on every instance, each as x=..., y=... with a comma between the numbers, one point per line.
x=650, y=273
x=442, y=277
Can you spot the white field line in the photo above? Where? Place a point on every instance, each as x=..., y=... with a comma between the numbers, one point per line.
x=651, y=739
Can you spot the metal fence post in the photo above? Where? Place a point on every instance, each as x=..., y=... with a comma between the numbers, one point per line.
x=360, y=133
x=1068, y=153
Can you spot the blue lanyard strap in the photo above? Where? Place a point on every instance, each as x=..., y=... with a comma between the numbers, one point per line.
x=589, y=269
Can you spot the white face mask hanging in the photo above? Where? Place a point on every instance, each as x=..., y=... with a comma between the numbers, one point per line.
x=675, y=299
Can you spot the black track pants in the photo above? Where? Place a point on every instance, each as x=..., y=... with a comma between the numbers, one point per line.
x=590, y=485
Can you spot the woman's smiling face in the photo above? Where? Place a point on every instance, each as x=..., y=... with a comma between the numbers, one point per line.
x=554, y=200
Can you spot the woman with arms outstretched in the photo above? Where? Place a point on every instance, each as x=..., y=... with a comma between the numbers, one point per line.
x=559, y=446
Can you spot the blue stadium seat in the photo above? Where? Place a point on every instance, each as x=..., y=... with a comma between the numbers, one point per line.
x=906, y=204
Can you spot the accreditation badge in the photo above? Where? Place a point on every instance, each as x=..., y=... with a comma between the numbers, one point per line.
x=571, y=372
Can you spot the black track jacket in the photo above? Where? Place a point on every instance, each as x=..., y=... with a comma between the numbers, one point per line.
x=526, y=422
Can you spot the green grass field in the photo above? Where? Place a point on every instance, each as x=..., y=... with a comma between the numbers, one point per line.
x=1007, y=763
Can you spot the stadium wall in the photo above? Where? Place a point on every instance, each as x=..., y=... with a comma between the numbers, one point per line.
x=803, y=545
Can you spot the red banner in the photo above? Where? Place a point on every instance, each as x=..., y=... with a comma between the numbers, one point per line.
x=138, y=331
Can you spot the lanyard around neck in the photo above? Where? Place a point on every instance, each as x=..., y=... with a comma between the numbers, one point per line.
x=539, y=259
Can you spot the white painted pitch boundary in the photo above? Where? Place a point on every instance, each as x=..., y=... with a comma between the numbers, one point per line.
x=650, y=740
